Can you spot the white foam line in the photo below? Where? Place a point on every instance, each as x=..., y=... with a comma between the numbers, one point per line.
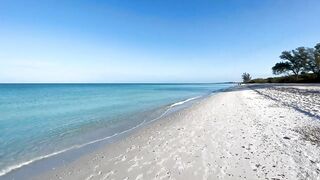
x=182, y=102
x=11, y=168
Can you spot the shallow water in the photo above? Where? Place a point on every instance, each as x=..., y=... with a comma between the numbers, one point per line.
x=41, y=120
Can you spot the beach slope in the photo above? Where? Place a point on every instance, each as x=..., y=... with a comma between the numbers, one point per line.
x=249, y=132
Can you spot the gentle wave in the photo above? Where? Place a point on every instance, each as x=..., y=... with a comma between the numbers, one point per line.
x=11, y=168
x=182, y=102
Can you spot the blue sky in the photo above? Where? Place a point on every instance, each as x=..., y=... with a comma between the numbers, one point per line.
x=150, y=41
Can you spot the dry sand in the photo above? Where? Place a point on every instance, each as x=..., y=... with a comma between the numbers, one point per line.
x=255, y=132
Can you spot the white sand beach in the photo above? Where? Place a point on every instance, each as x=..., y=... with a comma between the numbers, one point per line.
x=250, y=132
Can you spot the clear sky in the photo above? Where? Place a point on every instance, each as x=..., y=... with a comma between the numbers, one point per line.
x=150, y=40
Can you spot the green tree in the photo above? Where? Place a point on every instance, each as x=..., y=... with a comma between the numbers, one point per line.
x=281, y=68
x=293, y=61
x=302, y=56
x=313, y=62
x=246, y=77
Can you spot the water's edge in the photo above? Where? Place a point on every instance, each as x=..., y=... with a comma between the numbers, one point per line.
x=65, y=156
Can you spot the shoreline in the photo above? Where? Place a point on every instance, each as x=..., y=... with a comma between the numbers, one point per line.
x=18, y=170
x=234, y=134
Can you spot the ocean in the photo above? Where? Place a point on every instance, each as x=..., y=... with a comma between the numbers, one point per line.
x=38, y=121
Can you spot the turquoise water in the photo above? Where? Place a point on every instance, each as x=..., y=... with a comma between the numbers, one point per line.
x=41, y=120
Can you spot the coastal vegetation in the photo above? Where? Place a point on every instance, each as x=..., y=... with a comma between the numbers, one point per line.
x=246, y=77
x=301, y=65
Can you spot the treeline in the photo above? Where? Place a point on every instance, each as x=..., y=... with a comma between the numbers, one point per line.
x=299, y=65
